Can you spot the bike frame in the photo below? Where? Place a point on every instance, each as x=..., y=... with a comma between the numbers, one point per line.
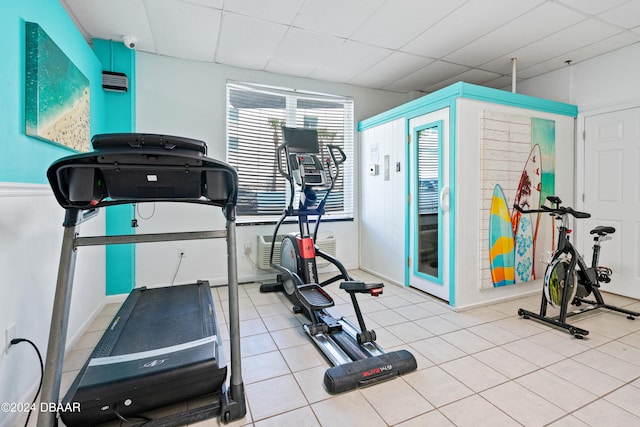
x=588, y=277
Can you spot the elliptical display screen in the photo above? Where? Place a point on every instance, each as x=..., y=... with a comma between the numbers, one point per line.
x=301, y=140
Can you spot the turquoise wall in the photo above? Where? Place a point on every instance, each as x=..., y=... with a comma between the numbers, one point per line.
x=120, y=107
x=25, y=159
x=120, y=117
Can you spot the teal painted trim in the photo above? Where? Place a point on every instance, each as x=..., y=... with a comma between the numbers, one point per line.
x=481, y=93
x=453, y=144
x=432, y=102
x=416, y=205
x=120, y=259
x=414, y=108
x=407, y=209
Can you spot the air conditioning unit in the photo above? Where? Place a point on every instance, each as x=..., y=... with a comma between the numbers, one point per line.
x=326, y=242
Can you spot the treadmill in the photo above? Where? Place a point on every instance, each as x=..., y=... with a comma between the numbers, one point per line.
x=163, y=345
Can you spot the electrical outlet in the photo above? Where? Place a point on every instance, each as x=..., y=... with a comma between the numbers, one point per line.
x=247, y=249
x=182, y=253
x=9, y=334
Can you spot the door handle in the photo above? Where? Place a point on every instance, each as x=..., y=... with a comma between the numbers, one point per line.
x=444, y=199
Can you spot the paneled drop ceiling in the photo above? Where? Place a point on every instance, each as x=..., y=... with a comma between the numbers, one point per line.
x=397, y=45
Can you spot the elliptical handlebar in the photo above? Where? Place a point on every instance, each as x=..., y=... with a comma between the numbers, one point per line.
x=281, y=148
x=332, y=148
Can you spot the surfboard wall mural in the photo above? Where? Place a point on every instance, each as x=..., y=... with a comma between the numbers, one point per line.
x=517, y=167
x=501, y=241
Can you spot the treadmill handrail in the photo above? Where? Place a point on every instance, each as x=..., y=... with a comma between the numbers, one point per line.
x=118, y=239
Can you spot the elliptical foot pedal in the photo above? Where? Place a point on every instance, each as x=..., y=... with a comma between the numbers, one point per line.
x=314, y=297
x=355, y=286
x=369, y=371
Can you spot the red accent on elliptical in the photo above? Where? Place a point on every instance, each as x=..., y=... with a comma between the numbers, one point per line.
x=306, y=246
x=375, y=291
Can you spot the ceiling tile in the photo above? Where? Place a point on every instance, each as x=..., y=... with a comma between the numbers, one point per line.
x=592, y=7
x=540, y=22
x=626, y=16
x=473, y=76
x=538, y=69
x=198, y=29
x=335, y=17
x=349, y=60
x=596, y=49
x=301, y=52
x=399, y=21
x=247, y=42
x=500, y=83
x=581, y=54
x=111, y=20
x=427, y=76
x=504, y=65
x=577, y=36
x=281, y=11
x=390, y=69
x=217, y=4
x=440, y=39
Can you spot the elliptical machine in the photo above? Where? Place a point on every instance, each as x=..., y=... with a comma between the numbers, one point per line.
x=358, y=360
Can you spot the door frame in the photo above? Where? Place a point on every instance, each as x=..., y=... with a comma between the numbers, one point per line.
x=583, y=241
x=448, y=125
x=580, y=153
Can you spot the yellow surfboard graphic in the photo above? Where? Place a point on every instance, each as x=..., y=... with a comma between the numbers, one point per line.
x=501, y=242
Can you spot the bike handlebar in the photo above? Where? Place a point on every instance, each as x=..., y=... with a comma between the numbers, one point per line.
x=560, y=210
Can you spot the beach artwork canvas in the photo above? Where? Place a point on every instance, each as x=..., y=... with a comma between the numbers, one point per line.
x=57, y=106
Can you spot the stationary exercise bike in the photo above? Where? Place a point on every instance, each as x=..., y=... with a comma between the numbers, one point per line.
x=567, y=278
x=357, y=358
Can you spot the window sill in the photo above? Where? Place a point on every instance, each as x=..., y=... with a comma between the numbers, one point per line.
x=249, y=221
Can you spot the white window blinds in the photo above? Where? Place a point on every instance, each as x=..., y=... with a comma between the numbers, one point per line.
x=255, y=116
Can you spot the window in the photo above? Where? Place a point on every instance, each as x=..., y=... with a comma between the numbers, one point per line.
x=255, y=116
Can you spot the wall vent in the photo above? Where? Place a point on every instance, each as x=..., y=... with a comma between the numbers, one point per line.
x=326, y=242
x=115, y=82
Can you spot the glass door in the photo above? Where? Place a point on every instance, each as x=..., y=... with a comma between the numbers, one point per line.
x=428, y=205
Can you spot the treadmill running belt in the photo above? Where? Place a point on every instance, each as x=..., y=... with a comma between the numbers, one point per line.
x=159, y=318
x=160, y=348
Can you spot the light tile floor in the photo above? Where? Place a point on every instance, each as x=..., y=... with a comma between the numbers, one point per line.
x=481, y=367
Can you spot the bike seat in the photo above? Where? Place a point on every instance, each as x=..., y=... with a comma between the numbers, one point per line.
x=602, y=230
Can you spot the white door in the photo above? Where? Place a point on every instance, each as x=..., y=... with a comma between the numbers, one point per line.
x=428, y=204
x=612, y=194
